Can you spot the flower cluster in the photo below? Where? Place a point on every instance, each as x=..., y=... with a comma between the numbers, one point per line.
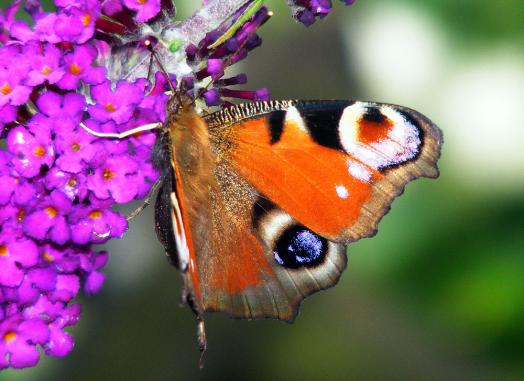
x=307, y=11
x=89, y=64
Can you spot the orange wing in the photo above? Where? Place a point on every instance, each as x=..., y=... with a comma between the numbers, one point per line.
x=335, y=166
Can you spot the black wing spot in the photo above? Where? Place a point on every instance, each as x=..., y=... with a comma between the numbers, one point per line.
x=276, y=125
x=373, y=114
x=260, y=208
x=300, y=247
x=322, y=120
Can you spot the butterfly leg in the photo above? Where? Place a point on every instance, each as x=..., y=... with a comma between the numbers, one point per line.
x=201, y=338
x=147, y=201
x=187, y=298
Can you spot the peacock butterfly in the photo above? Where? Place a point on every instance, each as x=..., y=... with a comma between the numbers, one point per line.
x=258, y=201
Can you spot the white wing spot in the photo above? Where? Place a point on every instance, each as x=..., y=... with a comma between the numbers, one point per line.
x=359, y=171
x=293, y=116
x=342, y=191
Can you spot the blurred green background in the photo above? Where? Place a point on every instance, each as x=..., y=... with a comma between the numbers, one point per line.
x=438, y=294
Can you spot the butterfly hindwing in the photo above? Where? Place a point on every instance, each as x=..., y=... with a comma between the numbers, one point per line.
x=239, y=271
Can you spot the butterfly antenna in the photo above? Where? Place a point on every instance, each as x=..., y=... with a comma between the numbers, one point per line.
x=150, y=69
x=148, y=44
x=147, y=201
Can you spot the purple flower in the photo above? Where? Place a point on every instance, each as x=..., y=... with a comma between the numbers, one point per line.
x=60, y=259
x=146, y=9
x=6, y=190
x=307, y=11
x=117, y=104
x=115, y=178
x=67, y=286
x=30, y=152
x=7, y=115
x=13, y=91
x=45, y=64
x=70, y=105
x=45, y=29
x=56, y=113
x=74, y=146
x=18, y=340
x=73, y=185
x=79, y=67
x=48, y=220
x=60, y=342
x=76, y=22
x=7, y=17
x=90, y=264
x=35, y=282
x=58, y=315
x=110, y=7
x=96, y=224
x=15, y=255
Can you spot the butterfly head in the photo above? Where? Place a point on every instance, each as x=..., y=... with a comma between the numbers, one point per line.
x=179, y=103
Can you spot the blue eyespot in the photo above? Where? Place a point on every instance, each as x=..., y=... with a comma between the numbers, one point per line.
x=298, y=247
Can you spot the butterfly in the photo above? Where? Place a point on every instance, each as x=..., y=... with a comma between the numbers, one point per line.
x=258, y=201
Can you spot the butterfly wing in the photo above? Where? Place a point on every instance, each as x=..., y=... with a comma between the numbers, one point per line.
x=264, y=196
x=295, y=182
x=335, y=166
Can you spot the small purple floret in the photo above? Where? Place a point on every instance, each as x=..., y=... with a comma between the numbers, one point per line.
x=146, y=9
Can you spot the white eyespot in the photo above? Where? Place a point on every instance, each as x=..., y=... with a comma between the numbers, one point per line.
x=402, y=142
x=273, y=224
x=342, y=191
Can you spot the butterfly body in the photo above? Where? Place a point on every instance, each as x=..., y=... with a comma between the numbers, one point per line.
x=259, y=200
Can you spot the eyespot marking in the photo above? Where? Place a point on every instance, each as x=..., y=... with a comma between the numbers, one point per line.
x=396, y=139
x=373, y=126
x=300, y=247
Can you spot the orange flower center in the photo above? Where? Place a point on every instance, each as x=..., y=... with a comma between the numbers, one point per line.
x=141, y=1
x=108, y=174
x=110, y=107
x=71, y=182
x=48, y=257
x=46, y=70
x=86, y=19
x=39, y=151
x=51, y=211
x=9, y=336
x=75, y=146
x=75, y=69
x=4, y=251
x=20, y=216
x=6, y=88
x=95, y=215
